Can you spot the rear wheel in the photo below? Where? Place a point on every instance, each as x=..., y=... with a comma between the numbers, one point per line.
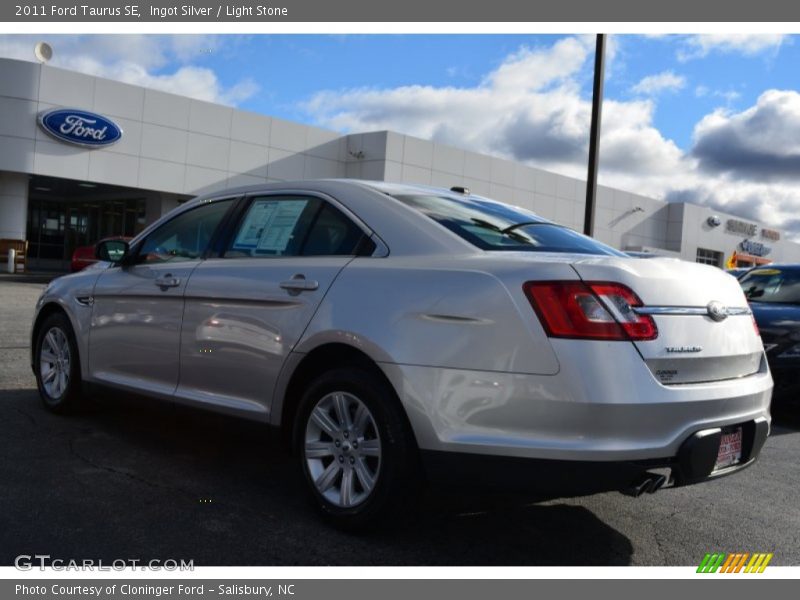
x=57, y=366
x=356, y=450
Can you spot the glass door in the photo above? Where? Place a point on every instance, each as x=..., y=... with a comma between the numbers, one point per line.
x=57, y=227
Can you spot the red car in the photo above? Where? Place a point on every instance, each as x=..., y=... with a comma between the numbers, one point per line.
x=83, y=256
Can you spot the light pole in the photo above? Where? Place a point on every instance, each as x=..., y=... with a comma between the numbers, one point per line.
x=594, y=133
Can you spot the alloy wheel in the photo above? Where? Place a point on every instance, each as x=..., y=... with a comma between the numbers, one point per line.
x=55, y=362
x=342, y=449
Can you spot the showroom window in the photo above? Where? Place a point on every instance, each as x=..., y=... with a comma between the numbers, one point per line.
x=709, y=257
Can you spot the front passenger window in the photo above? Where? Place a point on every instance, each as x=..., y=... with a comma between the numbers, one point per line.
x=185, y=237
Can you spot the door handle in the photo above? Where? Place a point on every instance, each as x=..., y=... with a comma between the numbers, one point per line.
x=298, y=283
x=167, y=281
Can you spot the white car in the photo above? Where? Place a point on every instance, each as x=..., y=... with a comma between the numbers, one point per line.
x=396, y=333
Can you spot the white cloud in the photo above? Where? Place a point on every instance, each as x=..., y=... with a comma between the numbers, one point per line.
x=760, y=142
x=530, y=109
x=158, y=62
x=535, y=69
x=661, y=82
x=729, y=96
x=745, y=162
x=748, y=44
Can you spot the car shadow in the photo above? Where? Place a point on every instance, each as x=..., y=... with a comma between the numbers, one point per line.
x=785, y=419
x=134, y=478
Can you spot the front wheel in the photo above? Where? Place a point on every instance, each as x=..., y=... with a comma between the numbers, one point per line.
x=57, y=366
x=356, y=450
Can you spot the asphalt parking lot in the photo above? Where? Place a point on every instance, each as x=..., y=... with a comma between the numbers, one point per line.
x=137, y=479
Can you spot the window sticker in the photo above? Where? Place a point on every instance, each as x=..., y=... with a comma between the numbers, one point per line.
x=269, y=225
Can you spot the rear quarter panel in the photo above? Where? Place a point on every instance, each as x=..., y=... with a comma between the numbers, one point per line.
x=465, y=314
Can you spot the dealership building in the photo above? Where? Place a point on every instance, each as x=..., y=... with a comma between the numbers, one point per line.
x=63, y=184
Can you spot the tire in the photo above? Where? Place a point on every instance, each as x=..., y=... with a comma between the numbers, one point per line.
x=364, y=474
x=57, y=365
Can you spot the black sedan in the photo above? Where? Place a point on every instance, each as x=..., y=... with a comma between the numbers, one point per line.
x=774, y=295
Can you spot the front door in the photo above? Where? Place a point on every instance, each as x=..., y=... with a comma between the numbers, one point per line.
x=138, y=309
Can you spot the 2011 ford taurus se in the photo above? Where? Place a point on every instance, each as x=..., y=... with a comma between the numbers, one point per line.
x=394, y=331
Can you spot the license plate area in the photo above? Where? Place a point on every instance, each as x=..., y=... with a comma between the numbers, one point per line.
x=730, y=448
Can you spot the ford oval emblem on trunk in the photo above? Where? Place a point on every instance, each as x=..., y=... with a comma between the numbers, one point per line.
x=80, y=127
x=717, y=311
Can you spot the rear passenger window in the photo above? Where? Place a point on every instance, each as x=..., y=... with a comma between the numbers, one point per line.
x=332, y=234
x=276, y=226
x=273, y=227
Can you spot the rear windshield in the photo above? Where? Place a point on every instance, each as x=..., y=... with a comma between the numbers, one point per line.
x=491, y=225
x=772, y=285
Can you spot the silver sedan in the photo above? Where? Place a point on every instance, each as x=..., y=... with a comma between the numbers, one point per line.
x=399, y=333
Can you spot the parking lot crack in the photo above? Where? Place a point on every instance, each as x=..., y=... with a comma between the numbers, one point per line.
x=122, y=472
x=662, y=550
x=239, y=508
x=28, y=417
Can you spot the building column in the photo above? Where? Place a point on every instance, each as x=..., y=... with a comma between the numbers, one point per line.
x=13, y=205
x=158, y=204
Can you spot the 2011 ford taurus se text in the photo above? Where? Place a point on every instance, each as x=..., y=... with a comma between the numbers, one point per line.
x=398, y=332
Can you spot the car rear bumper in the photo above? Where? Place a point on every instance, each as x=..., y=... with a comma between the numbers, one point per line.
x=694, y=463
x=575, y=415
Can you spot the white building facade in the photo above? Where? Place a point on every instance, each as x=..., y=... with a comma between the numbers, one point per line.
x=58, y=195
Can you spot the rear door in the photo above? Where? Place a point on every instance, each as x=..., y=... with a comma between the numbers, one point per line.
x=137, y=309
x=246, y=309
x=706, y=331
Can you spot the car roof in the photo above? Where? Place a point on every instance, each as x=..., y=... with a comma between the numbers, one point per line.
x=323, y=185
x=405, y=230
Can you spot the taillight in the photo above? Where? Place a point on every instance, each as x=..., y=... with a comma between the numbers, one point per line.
x=755, y=326
x=589, y=310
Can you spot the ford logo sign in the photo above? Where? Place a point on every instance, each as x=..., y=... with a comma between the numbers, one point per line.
x=80, y=127
x=717, y=311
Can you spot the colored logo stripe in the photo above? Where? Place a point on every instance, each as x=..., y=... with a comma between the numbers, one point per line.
x=711, y=562
x=735, y=562
x=758, y=563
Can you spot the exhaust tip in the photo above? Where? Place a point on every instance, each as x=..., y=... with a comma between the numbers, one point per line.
x=648, y=483
x=656, y=483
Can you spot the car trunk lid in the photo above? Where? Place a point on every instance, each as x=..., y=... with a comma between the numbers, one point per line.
x=705, y=329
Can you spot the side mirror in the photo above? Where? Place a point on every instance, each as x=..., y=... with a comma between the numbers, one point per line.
x=113, y=251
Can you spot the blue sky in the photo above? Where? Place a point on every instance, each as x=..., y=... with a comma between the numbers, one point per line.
x=290, y=69
x=714, y=119
x=732, y=80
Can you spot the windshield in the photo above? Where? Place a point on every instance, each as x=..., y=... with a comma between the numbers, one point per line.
x=491, y=225
x=772, y=285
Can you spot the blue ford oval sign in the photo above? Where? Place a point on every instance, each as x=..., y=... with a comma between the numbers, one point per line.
x=80, y=127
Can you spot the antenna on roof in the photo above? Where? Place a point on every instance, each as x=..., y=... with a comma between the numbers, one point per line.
x=459, y=189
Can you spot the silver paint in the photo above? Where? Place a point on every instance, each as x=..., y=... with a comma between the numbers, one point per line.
x=447, y=323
